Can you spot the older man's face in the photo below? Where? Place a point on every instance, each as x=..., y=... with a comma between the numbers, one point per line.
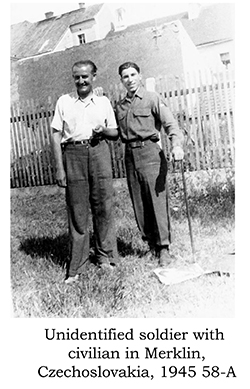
x=84, y=79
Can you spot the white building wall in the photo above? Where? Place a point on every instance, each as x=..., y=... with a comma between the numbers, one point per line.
x=66, y=42
x=71, y=39
x=104, y=18
x=210, y=54
x=88, y=28
x=193, y=62
x=94, y=29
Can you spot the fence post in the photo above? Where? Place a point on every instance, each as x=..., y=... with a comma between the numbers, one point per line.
x=150, y=84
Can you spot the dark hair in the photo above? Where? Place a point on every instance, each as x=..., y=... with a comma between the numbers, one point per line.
x=127, y=65
x=86, y=62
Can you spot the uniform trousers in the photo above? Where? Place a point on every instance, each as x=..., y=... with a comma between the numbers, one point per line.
x=89, y=186
x=146, y=169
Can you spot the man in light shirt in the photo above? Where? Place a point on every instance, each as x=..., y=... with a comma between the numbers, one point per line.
x=82, y=124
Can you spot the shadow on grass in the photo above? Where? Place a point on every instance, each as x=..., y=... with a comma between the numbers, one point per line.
x=57, y=249
x=126, y=248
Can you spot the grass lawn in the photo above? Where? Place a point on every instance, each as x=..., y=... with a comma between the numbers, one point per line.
x=39, y=248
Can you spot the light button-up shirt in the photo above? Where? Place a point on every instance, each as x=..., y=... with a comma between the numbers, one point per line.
x=76, y=118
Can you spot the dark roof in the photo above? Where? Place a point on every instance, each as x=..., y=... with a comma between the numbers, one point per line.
x=18, y=32
x=215, y=23
x=43, y=36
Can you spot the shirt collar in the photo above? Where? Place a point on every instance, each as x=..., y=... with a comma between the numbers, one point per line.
x=87, y=100
x=139, y=93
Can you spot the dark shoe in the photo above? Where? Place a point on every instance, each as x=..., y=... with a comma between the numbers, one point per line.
x=113, y=261
x=165, y=259
x=153, y=251
x=151, y=254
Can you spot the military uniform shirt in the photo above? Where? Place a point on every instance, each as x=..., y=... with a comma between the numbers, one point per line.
x=142, y=117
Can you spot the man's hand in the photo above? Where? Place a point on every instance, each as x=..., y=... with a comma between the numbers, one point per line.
x=61, y=178
x=98, y=130
x=178, y=153
x=98, y=91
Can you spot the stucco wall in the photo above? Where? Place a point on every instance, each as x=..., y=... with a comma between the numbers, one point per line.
x=103, y=22
x=210, y=54
x=50, y=75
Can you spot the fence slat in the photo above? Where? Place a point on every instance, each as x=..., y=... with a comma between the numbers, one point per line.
x=33, y=143
x=223, y=139
x=199, y=125
x=14, y=153
x=210, y=127
x=18, y=156
x=228, y=115
x=36, y=129
x=190, y=151
x=194, y=132
x=169, y=100
x=24, y=141
x=21, y=139
x=184, y=119
x=204, y=121
x=216, y=121
x=29, y=145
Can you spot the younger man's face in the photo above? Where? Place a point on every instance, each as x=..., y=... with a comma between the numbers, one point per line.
x=131, y=79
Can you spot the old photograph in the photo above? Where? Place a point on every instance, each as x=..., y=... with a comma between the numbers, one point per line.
x=122, y=160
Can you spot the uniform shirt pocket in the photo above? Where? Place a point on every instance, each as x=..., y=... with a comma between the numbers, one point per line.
x=143, y=121
x=144, y=112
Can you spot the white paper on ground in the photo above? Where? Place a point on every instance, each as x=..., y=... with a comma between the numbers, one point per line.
x=176, y=275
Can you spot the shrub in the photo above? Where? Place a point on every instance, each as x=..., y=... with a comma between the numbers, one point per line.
x=211, y=194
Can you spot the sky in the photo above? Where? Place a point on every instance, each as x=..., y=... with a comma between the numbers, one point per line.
x=134, y=12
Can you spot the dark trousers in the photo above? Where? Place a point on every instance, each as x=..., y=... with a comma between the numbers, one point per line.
x=89, y=186
x=146, y=169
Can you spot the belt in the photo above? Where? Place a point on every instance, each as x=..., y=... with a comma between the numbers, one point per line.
x=137, y=143
x=77, y=142
x=84, y=142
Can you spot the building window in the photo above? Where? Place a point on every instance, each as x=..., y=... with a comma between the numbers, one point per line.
x=225, y=59
x=82, y=39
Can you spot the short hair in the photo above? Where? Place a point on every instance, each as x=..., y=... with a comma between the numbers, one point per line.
x=127, y=65
x=86, y=62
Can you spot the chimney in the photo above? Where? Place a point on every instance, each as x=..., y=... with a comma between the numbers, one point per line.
x=193, y=10
x=49, y=15
x=120, y=19
x=81, y=5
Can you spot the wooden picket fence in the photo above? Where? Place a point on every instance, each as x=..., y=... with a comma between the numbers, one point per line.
x=203, y=106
